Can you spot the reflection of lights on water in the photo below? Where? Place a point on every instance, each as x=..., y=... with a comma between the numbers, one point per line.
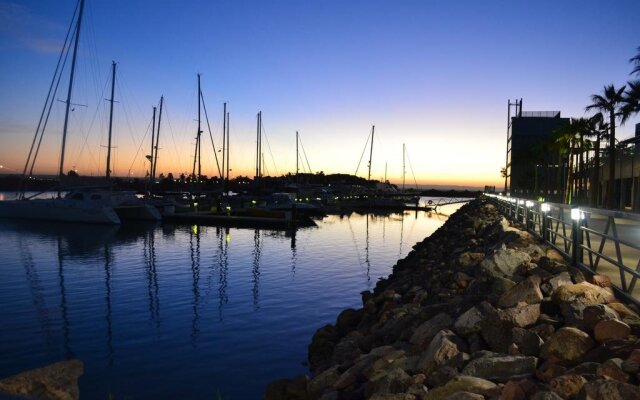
x=227, y=237
x=194, y=229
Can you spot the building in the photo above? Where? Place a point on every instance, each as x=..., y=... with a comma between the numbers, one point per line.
x=627, y=172
x=534, y=168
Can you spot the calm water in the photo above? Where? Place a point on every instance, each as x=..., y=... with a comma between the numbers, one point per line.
x=186, y=311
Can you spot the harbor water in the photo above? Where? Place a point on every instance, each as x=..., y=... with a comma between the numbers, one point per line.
x=177, y=311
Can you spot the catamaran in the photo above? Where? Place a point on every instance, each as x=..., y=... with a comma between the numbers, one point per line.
x=88, y=205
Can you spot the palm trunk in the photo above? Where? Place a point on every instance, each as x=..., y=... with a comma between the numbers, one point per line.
x=595, y=185
x=612, y=159
x=581, y=169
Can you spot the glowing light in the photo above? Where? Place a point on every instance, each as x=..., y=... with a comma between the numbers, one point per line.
x=544, y=207
x=529, y=203
x=577, y=214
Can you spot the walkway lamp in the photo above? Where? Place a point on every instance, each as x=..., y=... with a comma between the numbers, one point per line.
x=528, y=216
x=544, y=213
x=577, y=216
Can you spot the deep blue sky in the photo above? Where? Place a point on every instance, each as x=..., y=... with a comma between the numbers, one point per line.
x=433, y=75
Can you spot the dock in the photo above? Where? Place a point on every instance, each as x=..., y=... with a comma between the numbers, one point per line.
x=236, y=221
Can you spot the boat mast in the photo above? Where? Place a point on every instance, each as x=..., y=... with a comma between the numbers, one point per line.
x=404, y=170
x=196, y=156
x=373, y=127
x=66, y=112
x=297, y=157
x=153, y=136
x=259, y=146
x=224, y=142
x=155, y=153
x=113, y=86
x=228, y=145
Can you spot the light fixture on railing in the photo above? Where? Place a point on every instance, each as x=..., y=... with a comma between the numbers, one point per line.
x=577, y=214
x=528, y=203
x=544, y=207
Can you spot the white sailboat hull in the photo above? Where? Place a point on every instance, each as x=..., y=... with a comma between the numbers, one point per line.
x=66, y=210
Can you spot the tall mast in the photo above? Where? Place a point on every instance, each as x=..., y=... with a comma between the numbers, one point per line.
x=153, y=137
x=155, y=153
x=224, y=141
x=373, y=128
x=66, y=112
x=404, y=170
x=113, y=86
x=297, y=157
x=196, y=156
x=228, y=145
x=258, y=145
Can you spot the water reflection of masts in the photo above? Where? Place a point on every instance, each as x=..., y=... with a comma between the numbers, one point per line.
x=152, y=276
x=195, y=272
x=36, y=290
x=107, y=272
x=257, y=250
x=294, y=259
x=223, y=262
x=66, y=327
x=401, y=236
x=366, y=252
x=355, y=244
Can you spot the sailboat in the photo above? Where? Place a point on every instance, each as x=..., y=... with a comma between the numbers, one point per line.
x=82, y=205
x=125, y=203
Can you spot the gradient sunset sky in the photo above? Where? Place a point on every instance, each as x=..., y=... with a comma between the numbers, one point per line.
x=433, y=75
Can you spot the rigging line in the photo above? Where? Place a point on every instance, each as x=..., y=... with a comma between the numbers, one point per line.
x=411, y=167
x=126, y=113
x=52, y=101
x=305, y=155
x=262, y=131
x=53, y=80
x=86, y=136
x=173, y=138
x=362, y=155
x=140, y=147
x=206, y=117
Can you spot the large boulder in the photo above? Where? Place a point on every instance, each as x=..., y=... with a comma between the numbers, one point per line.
x=608, y=390
x=501, y=368
x=610, y=329
x=428, y=329
x=527, y=291
x=503, y=262
x=443, y=347
x=567, y=386
x=568, y=345
x=55, y=381
x=462, y=383
x=584, y=293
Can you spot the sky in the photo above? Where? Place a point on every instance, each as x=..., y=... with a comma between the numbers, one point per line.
x=433, y=75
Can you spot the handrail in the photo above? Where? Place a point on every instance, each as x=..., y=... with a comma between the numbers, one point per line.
x=605, y=246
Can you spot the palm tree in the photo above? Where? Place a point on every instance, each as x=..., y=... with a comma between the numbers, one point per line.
x=631, y=100
x=636, y=61
x=608, y=102
x=564, y=143
x=598, y=129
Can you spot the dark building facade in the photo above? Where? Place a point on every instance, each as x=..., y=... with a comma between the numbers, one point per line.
x=535, y=168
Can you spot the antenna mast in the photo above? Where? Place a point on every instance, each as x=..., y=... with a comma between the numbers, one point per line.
x=66, y=112
x=113, y=85
x=155, y=154
x=373, y=127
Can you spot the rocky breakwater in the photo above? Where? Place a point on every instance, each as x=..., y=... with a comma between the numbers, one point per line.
x=479, y=310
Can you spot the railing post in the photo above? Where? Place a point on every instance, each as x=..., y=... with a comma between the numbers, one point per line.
x=529, y=215
x=544, y=210
x=576, y=236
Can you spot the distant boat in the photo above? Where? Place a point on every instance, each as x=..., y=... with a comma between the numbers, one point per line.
x=87, y=205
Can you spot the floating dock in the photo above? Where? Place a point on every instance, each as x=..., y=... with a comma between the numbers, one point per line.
x=236, y=221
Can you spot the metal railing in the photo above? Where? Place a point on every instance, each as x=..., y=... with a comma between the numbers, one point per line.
x=598, y=241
